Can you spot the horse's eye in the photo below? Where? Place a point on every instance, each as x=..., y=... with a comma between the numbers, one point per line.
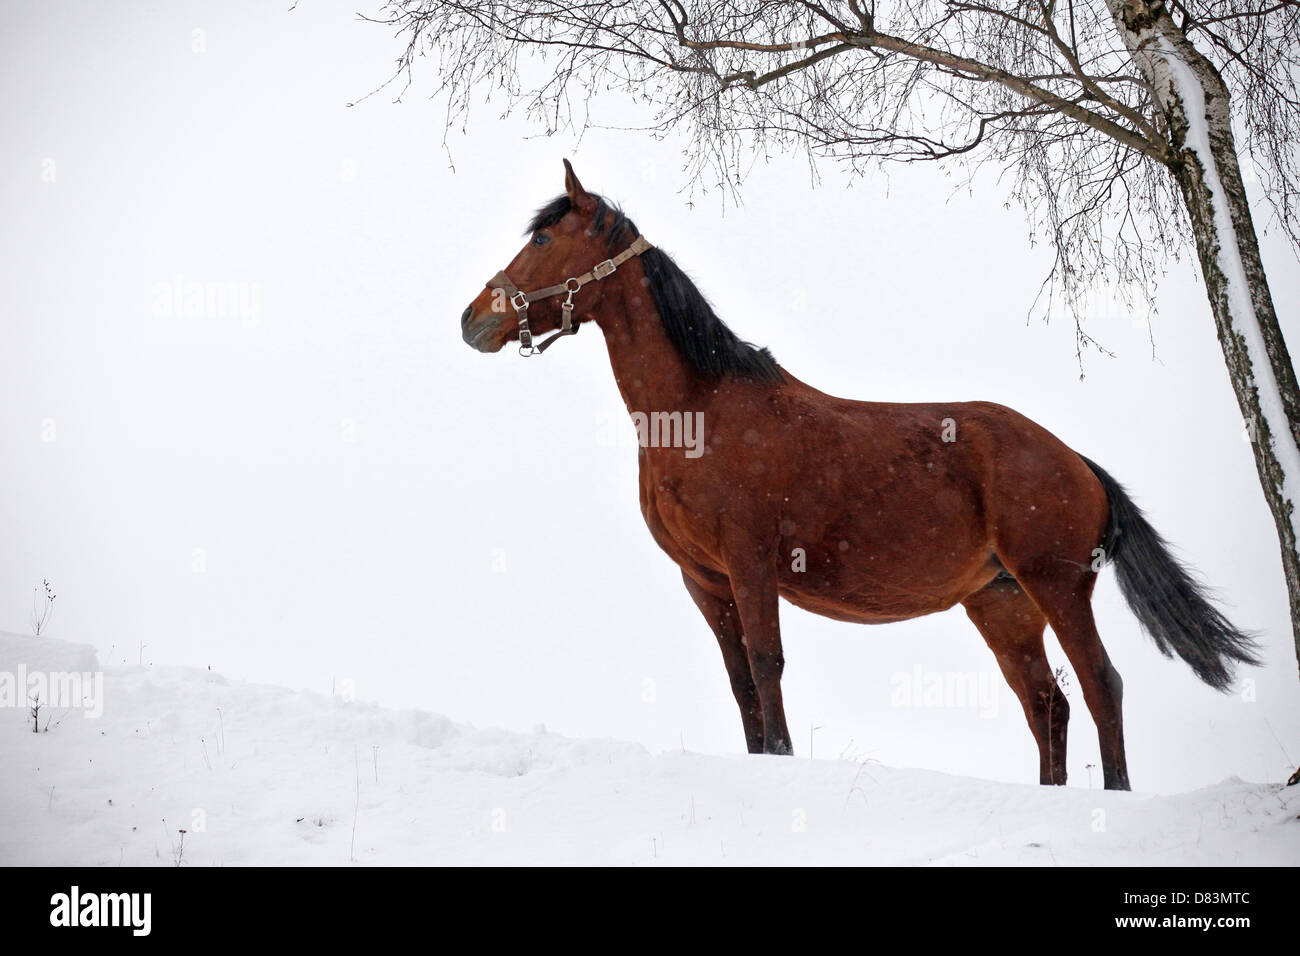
x=540, y=239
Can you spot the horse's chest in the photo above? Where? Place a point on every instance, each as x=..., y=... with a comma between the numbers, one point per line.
x=681, y=519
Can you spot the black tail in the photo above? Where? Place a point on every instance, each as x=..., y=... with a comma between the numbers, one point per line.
x=1171, y=605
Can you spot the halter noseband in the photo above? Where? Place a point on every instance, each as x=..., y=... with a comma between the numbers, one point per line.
x=521, y=300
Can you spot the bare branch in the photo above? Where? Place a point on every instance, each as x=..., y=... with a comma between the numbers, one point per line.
x=1043, y=90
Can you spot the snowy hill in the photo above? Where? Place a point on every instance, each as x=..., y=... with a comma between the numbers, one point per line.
x=264, y=775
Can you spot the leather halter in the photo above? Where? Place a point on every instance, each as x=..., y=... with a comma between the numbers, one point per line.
x=521, y=300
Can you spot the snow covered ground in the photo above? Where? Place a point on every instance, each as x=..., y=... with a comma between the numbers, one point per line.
x=263, y=775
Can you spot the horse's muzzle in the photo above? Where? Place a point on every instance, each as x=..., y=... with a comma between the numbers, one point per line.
x=482, y=333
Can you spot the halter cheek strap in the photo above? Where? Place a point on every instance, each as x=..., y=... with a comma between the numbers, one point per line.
x=568, y=288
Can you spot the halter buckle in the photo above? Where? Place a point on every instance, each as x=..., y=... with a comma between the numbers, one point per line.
x=526, y=342
x=520, y=301
x=602, y=269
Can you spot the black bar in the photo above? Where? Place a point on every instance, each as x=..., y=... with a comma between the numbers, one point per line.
x=334, y=906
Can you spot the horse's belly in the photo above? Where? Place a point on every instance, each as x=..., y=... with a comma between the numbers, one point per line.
x=881, y=606
x=863, y=554
x=874, y=579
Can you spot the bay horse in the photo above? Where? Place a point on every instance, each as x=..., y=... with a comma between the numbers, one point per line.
x=860, y=511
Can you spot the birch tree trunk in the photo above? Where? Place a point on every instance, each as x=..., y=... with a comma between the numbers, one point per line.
x=1203, y=160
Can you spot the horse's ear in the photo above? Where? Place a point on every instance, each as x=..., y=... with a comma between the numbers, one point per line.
x=578, y=197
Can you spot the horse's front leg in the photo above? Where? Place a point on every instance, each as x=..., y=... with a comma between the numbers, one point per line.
x=725, y=622
x=754, y=585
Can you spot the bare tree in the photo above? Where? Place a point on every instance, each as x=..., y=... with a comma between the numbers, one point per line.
x=1116, y=118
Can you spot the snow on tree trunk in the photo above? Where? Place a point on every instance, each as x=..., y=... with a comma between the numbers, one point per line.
x=1194, y=99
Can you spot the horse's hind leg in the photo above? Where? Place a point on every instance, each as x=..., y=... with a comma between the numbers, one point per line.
x=1064, y=595
x=1012, y=626
x=725, y=622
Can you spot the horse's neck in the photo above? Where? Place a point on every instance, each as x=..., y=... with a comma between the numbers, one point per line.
x=651, y=374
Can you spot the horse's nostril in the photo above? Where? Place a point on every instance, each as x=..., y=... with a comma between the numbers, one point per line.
x=464, y=316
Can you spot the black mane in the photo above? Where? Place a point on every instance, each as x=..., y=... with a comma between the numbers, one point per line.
x=700, y=336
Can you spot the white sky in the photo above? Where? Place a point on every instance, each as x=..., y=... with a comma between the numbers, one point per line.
x=373, y=560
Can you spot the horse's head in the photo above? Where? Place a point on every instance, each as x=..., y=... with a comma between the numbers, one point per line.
x=568, y=247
